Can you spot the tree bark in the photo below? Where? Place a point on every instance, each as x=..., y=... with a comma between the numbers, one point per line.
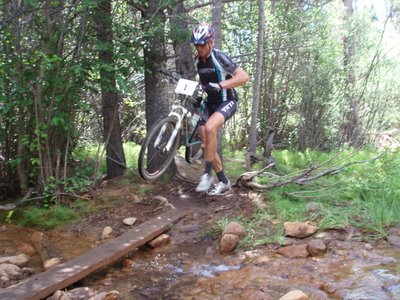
x=217, y=20
x=256, y=86
x=183, y=52
x=110, y=98
x=352, y=127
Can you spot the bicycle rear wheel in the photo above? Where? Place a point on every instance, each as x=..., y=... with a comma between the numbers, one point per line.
x=154, y=158
x=194, y=151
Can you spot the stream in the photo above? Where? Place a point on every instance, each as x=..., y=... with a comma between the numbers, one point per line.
x=195, y=270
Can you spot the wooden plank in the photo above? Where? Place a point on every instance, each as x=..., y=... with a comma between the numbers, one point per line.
x=58, y=277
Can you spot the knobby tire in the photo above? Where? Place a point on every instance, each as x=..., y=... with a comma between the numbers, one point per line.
x=154, y=161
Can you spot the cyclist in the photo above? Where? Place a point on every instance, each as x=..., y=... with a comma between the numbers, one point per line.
x=218, y=75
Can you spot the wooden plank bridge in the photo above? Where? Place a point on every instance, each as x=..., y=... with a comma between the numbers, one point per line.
x=41, y=285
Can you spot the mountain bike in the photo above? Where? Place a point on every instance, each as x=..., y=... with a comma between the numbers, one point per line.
x=180, y=127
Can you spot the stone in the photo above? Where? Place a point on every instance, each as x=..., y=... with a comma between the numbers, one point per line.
x=26, y=248
x=81, y=293
x=394, y=240
x=18, y=260
x=294, y=295
x=111, y=295
x=316, y=247
x=106, y=232
x=10, y=271
x=127, y=263
x=294, y=251
x=159, y=241
x=59, y=295
x=299, y=230
x=234, y=228
x=52, y=262
x=228, y=243
x=129, y=221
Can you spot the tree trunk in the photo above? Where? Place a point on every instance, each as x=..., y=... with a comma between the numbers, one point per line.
x=352, y=127
x=217, y=20
x=157, y=105
x=252, y=150
x=110, y=99
x=157, y=96
x=183, y=52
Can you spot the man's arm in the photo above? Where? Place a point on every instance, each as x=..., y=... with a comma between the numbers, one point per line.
x=239, y=77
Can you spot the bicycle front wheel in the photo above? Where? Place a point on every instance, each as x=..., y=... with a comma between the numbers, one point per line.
x=154, y=157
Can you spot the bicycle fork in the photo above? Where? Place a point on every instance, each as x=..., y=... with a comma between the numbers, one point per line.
x=174, y=133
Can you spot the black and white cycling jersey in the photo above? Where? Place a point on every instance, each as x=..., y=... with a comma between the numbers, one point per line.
x=217, y=67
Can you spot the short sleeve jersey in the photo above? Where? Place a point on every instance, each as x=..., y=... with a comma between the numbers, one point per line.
x=217, y=67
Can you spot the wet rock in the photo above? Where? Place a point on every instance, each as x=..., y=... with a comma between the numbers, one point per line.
x=395, y=230
x=294, y=295
x=159, y=241
x=107, y=281
x=10, y=271
x=19, y=260
x=368, y=246
x=26, y=248
x=59, y=295
x=299, y=230
x=81, y=293
x=127, y=263
x=316, y=247
x=337, y=289
x=234, y=228
x=129, y=221
x=111, y=295
x=294, y=251
x=84, y=293
x=228, y=243
x=28, y=271
x=394, y=240
x=106, y=232
x=253, y=295
x=52, y=262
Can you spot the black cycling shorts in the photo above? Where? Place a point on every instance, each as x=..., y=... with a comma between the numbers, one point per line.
x=226, y=108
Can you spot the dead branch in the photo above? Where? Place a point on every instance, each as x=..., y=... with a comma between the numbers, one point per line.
x=246, y=179
x=12, y=206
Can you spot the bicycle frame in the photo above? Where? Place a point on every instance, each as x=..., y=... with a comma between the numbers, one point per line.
x=177, y=129
x=180, y=113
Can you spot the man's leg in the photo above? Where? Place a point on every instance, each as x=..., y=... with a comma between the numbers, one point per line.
x=215, y=121
x=208, y=136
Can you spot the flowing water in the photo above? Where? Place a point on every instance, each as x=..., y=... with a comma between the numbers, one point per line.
x=196, y=270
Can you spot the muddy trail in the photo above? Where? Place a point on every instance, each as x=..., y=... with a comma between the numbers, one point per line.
x=190, y=265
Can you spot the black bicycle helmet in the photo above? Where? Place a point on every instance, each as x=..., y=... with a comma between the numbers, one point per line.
x=201, y=34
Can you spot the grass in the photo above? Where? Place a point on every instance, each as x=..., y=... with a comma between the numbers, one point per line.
x=48, y=218
x=365, y=194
